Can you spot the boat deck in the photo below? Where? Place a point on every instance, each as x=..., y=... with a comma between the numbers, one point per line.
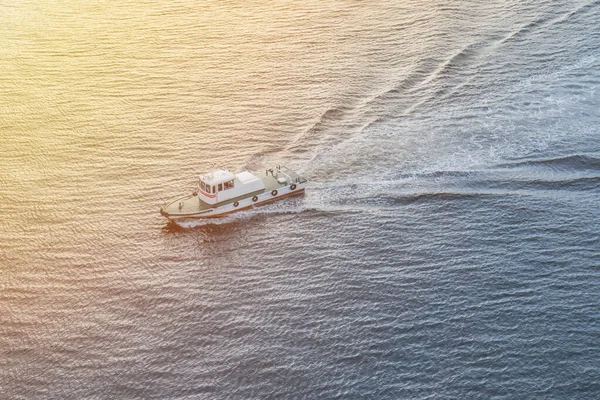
x=271, y=175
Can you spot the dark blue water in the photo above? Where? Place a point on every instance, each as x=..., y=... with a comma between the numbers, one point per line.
x=447, y=245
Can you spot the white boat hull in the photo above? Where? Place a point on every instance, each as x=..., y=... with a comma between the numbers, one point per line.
x=242, y=204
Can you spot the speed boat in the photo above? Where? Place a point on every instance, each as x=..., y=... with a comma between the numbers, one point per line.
x=221, y=192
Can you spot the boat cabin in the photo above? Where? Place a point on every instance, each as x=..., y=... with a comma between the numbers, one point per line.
x=222, y=185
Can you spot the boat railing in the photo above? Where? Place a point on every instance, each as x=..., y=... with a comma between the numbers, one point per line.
x=290, y=176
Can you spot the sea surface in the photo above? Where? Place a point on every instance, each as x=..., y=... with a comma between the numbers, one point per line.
x=447, y=246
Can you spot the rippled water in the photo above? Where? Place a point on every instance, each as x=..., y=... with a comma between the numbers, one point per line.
x=447, y=246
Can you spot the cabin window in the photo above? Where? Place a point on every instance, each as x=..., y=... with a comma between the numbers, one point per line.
x=220, y=187
x=202, y=186
x=214, y=189
x=228, y=185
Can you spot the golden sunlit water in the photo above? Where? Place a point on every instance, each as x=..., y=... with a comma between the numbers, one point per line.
x=447, y=245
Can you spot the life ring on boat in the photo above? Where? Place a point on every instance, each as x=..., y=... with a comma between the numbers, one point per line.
x=274, y=192
x=293, y=187
x=237, y=203
x=255, y=198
